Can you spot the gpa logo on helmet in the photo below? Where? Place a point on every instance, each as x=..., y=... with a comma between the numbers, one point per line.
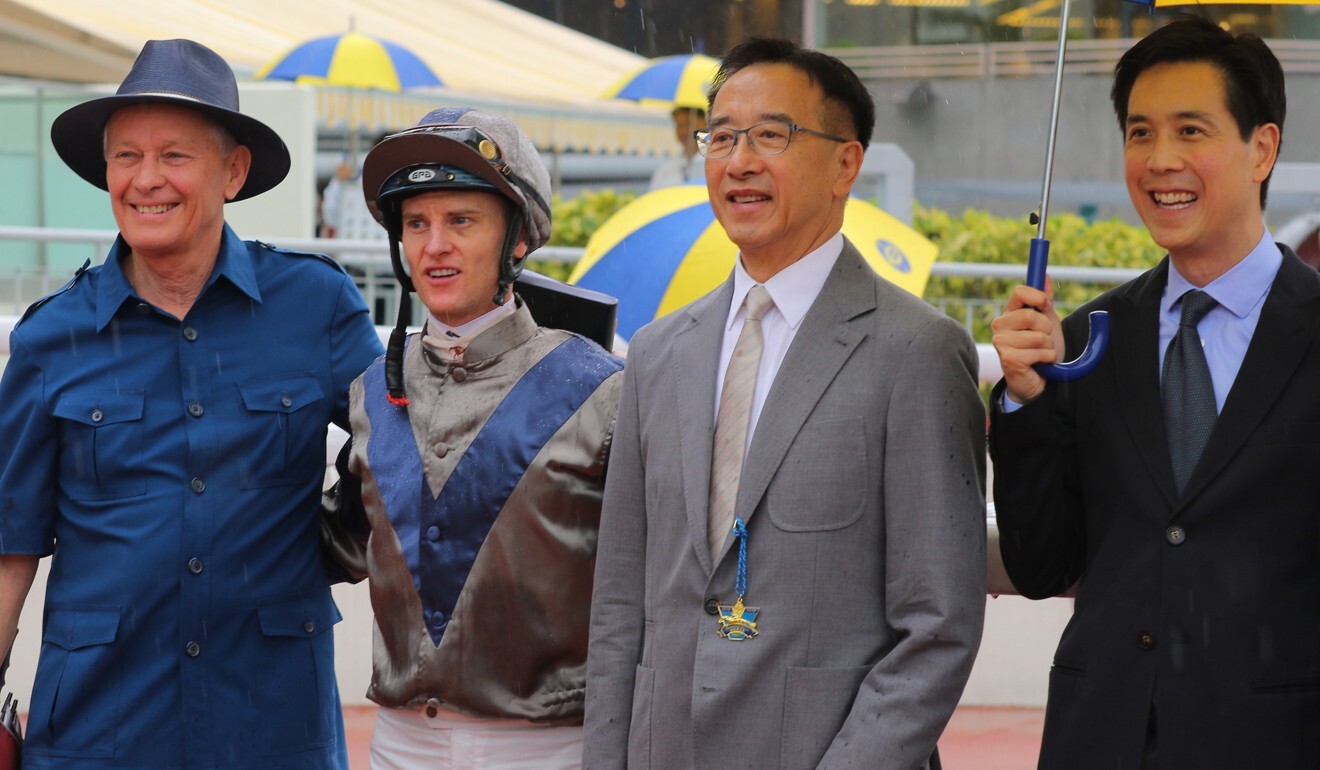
x=421, y=175
x=893, y=255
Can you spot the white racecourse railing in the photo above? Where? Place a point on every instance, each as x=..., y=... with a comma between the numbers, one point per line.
x=371, y=262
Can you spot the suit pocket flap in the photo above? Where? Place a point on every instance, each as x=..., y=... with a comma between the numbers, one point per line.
x=284, y=395
x=76, y=626
x=94, y=409
x=303, y=617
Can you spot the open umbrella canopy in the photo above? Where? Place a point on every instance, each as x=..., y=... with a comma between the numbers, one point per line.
x=666, y=249
x=669, y=81
x=354, y=60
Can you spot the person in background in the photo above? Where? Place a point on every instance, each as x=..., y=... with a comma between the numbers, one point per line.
x=688, y=168
x=471, y=487
x=792, y=551
x=1174, y=484
x=165, y=419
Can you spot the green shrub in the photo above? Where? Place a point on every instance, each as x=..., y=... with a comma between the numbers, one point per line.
x=572, y=224
x=573, y=221
x=979, y=237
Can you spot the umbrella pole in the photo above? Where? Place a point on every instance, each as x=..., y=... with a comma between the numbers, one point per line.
x=1038, y=257
x=1054, y=121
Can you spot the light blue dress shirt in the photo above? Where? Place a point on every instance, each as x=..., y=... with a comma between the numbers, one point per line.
x=1226, y=330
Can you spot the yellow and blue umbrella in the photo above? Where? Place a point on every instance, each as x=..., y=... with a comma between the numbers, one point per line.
x=669, y=81
x=666, y=249
x=353, y=60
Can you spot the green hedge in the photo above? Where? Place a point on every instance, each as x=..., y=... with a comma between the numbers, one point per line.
x=979, y=237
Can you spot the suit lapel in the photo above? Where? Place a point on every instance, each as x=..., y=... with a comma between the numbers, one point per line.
x=1283, y=335
x=696, y=357
x=826, y=339
x=1135, y=348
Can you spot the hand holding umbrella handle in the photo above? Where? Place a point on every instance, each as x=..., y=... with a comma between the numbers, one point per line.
x=1037, y=263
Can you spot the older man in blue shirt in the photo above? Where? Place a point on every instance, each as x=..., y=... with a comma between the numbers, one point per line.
x=165, y=419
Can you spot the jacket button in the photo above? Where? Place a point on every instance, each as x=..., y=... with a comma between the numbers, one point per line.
x=198, y=485
x=309, y=626
x=97, y=415
x=196, y=410
x=1176, y=535
x=189, y=333
x=433, y=533
x=193, y=649
x=195, y=565
x=458, y=373
x=1146, y=640
x=286, y=402
x=712, y=605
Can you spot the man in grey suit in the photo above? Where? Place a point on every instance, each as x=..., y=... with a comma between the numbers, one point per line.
x=818, y=604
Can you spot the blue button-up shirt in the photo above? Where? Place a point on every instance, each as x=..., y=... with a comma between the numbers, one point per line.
x=173, y=468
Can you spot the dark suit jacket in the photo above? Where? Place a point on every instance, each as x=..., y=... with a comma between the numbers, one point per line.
x=1206, y=604
x=865, y=554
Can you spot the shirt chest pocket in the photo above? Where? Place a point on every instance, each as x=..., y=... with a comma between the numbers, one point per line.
x=286, y=439
x=101, y=444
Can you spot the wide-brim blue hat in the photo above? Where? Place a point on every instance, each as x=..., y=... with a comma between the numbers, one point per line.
x=178, y=72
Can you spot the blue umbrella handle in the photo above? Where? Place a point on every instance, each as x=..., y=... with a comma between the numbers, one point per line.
x=1037, y=262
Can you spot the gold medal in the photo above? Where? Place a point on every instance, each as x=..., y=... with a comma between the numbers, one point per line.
x=738, y=623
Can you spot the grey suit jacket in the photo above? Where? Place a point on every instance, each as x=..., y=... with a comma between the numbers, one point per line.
x=863, y=497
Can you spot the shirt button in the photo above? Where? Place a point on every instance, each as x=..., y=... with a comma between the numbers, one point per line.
x=431, y=711
x=189, y=333
x=97, y=415
x=193, y=649
x=143, y=308
x=1146, y=640
x=286, y=402
x=196, y=410
x=441, y=449
x=309, y=626
x=458, y=373
x=198, y=485
x=195, y=565
x=1176, y=535
x=433, y=533
x=712, y=605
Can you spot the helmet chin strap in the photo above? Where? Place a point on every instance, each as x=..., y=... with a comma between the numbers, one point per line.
x=398, y=335
x=511, y=265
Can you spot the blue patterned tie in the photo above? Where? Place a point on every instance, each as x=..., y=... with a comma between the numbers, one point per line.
x=1188, y=393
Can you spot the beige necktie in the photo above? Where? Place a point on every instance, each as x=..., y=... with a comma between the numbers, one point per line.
x=734, y=417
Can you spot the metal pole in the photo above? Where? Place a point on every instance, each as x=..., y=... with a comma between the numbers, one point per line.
x=810, y=38
x=1054, y=122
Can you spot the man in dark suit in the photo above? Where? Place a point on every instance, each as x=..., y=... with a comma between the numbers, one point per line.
x=820, y=604
x=1176, y=484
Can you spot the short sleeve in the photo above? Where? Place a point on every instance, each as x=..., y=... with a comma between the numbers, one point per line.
x=28, y=456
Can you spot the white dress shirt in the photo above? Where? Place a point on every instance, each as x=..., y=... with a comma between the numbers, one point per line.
x=793, y=290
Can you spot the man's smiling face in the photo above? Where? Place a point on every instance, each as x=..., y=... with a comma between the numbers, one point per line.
x=1192, y=178
x=778, y=208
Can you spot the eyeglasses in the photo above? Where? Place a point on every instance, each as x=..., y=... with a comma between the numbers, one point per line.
x=770, y=138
